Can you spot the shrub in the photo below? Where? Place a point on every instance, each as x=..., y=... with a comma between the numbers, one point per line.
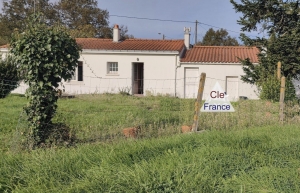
x=270, y=89
x=47, y=55
x=9, y=79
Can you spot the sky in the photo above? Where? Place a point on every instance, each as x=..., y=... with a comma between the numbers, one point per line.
x=218, y=13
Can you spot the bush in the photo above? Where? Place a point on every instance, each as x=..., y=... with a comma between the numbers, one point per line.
x=270, y=89
x=47, y=55
x=9, y=79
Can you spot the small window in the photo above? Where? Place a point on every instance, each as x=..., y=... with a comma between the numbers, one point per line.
x=112, y=68
x=78, y=74
x=80, y=71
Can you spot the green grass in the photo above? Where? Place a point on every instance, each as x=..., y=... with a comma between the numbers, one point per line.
x=263, y=159
x=245, y=151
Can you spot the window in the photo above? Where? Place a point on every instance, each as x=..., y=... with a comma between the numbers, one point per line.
x=112, y=68
x=80, y=71
x=78, y=74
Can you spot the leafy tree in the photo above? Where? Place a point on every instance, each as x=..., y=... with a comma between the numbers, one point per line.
x=83, y=14
x=46, y=55
x=280, y=19
x=15, y=12
x=9, y=76
x=82, y=18
x=218, y=38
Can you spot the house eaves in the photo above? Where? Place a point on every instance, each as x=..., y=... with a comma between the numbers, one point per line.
x=147, y=52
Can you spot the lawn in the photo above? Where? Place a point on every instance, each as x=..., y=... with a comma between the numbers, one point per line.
x=264, y=159
x=245, y=151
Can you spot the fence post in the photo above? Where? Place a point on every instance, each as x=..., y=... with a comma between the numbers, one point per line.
x=278, y=70
x=281, y=101
x=198, y=102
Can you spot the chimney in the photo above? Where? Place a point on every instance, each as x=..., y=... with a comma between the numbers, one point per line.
x=187, y=37
x=116, y=33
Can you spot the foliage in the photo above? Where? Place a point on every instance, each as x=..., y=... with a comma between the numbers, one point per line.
x=82, y=18
x=9, y=78
x=83, y=15
x=15, y=12
x=270, y=88
x=46, y=55
x=125, y=90
x=280, y=19
x=218, y=38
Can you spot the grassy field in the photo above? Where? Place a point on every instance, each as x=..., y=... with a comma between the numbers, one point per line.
x=245, y=151
x=262, y=159
x=100, y=117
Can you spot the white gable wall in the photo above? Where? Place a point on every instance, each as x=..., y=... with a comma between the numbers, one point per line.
x=228, y=75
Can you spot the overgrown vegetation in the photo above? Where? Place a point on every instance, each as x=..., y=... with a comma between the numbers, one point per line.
x=103, y=117
x=280, y=21
x=225, y=158
x=9, y=77
x=46, y=56
x=254, y=160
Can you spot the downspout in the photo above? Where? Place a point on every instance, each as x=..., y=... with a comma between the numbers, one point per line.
x=176, y=66
x=175, y=75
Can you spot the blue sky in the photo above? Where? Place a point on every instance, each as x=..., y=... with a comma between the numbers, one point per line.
x=219, y=13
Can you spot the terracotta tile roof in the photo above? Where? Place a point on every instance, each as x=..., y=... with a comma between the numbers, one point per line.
x=4, y=46
x=220, y=54
x=131, y=44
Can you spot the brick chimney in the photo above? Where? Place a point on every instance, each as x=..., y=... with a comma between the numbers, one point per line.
x=116, y=33
x=187, y=37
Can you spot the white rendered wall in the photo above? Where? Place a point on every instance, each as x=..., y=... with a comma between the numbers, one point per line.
x=159, y=73
x=216, y=73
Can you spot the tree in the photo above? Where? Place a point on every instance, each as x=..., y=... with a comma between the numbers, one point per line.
x=80, y=14
x=9, y=76
x=280, y=19
x=85, y=19
x=15, y=12
x=218, y=38
x=82, y=18
x=46, y=56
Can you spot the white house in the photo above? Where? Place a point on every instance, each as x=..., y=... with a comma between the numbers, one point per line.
x=147, y=66
x=221, y=64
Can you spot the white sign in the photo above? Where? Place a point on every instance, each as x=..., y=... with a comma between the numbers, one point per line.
x=217, y=101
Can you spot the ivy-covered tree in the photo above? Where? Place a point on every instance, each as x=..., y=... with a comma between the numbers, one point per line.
x=280, y=20
x=46, y=56
x=9, y=79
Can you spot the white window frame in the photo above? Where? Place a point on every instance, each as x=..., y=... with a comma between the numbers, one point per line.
x=112, y=68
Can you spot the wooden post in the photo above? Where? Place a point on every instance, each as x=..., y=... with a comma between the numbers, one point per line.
x=278, y=70
x=198, y=102
x=281, y=101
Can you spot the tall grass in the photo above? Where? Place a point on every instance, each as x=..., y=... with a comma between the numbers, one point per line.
x=244, y=151
x=103, y=117
x=262, y=159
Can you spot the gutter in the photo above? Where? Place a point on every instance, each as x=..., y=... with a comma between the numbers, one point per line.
x=152, y=52
x=175, y=90
x=210, y=63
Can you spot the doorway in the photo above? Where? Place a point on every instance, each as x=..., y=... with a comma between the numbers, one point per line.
x=138, y=78
x=191, y=79
x=232, y=87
